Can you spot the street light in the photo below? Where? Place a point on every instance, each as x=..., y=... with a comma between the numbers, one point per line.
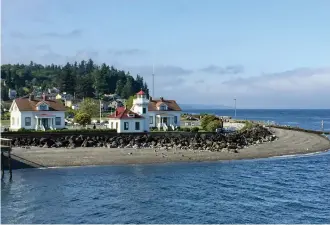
x=235, y=106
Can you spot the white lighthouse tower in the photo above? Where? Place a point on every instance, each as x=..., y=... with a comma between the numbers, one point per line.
x=140, y=106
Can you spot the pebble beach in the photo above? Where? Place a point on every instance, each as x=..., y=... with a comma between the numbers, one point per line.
x=288, y=143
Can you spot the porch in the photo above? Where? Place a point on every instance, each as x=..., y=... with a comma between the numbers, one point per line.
x=44, y=123
x=165, y=121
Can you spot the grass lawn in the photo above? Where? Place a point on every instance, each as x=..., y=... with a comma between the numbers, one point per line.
x=5, y=122
x=102, y=118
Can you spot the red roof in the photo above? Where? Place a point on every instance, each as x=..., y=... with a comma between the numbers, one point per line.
x=122, y=113
x=141, y=93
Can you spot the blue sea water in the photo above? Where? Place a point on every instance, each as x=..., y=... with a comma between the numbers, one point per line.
x=291, y=189
x=309, y=119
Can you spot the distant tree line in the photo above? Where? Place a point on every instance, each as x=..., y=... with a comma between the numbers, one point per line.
x=84, y=79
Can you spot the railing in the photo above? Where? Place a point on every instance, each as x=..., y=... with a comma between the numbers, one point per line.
x=173, y=128
x=165, y=128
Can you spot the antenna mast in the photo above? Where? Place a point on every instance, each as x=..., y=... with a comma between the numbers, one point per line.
x=153, y=80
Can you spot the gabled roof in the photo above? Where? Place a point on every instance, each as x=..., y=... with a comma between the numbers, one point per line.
x=171, y=105
x=24, y=104
x=42, y=102
x=122, y=113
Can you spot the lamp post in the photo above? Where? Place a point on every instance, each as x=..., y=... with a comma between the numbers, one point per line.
x=235, y=106
x=322, y=126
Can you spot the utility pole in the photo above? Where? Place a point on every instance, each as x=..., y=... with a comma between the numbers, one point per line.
x=235, y=106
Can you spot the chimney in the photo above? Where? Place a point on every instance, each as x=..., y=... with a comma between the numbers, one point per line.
x=44, y=97
x=116, y=113
x=31, y=97
x=161, y=99
x=150, y=98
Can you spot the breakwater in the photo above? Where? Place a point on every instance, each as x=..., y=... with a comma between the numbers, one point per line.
x=177, y=140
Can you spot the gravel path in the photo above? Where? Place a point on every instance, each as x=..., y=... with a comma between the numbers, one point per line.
x=289, y=143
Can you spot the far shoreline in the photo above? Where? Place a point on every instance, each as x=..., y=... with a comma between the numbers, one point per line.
x=289, y=143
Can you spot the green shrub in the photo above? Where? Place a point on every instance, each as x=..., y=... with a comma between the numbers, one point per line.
x=22, y=130
x=5, y=116
x=213, y=125
x=248, y=125
x=206, y=120
x=194, y=129
x=83, y=118
x=186, y=129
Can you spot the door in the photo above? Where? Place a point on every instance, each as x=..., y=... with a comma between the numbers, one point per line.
x=44, y=122
x=165, y=120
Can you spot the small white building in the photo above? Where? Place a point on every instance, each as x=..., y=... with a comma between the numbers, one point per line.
x=135, y=120
x=37, y=114
x=126, y=121
x=145, y=113
x=163, y=113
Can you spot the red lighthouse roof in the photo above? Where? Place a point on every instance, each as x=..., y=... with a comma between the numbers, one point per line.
x=140, y=92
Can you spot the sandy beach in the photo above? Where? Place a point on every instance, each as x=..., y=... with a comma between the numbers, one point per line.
x=289, y=143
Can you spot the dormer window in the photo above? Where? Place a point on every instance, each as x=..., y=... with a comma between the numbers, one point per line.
x=162, y=107
x=130, y=115
x=42, y=107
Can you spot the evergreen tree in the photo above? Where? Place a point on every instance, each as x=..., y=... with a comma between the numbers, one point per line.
x=67, y=81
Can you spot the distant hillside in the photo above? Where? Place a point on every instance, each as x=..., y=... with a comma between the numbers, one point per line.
x=202, y=106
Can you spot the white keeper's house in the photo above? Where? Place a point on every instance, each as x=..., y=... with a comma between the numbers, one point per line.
x=37, y=114
x=162, y=114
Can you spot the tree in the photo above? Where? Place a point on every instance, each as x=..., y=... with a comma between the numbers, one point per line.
x=206, y=120
x=128, y=88
x=100, y=79
x=129, y=102
x=81, y=78
x=90, y=106
x=84, y=87
x=83, y=118
x=213, y=125
x=67, y=80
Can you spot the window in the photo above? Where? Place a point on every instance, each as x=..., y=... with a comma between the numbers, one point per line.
x=125, y=125
x=116, y=125
x=151, y=119
x=111, y=126
x=163, y=108
x=43, y=107
x=144, y=110
x=137, y=125
x=58, y=121
x=27, y=121
x=175, y=119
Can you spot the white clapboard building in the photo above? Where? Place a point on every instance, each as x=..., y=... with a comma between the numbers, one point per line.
x=36, y=114
x=146, y=113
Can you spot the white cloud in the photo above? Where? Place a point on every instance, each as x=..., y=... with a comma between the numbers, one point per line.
x=299, y=88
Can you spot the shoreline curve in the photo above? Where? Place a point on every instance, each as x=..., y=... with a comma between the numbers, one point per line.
x=289, y=142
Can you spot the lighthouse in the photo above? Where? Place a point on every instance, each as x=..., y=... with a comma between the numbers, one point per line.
x=140, y=106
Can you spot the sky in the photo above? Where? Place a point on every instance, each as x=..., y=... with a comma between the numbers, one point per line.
x=265, y=54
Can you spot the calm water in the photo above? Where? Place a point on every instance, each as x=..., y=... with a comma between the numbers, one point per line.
x=277, y=190
x=310, y=119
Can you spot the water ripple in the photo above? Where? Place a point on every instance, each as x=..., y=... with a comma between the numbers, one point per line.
x=282, y=190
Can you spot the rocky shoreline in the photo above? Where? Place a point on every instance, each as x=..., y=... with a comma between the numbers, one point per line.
x=211, y=142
